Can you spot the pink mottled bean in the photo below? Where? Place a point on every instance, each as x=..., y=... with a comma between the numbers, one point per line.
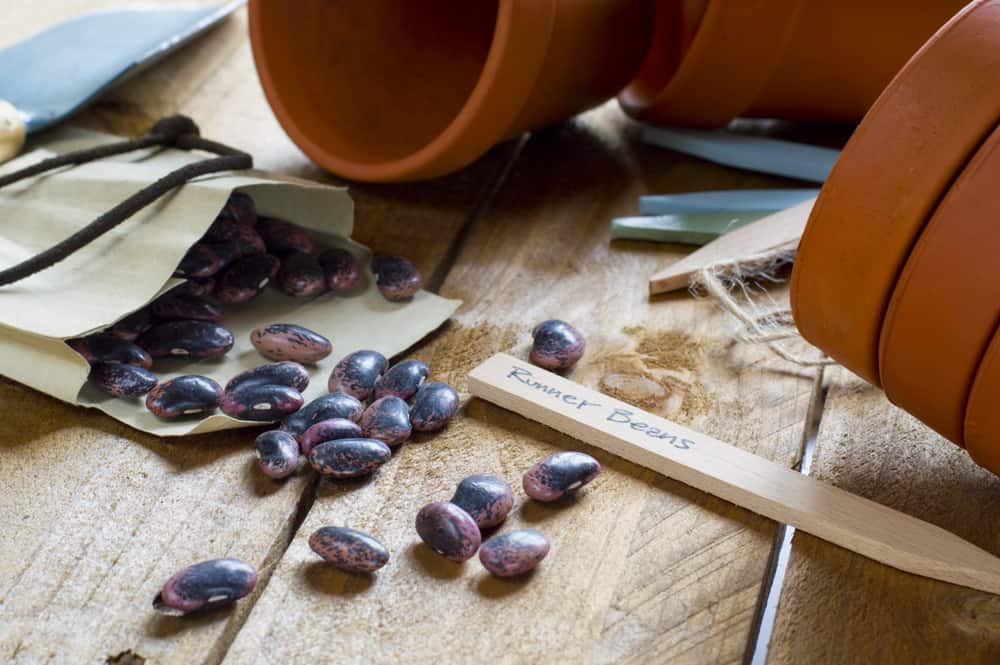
x=448, y=530
x=287, y=341
x=514, y=553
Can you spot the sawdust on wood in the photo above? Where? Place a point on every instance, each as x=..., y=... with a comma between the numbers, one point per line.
x=668, y=349
x=660, y=374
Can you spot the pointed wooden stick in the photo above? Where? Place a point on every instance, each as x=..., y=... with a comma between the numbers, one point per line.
x=777, y=230
x=733, y=474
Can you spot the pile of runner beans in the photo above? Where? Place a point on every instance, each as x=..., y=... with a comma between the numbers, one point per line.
x=371, y=408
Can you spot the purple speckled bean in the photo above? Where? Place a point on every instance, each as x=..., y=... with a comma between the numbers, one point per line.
x=349, y=550
x=246, y=278
x=448, y=530
x=187, y=339
x=402, y=379
x=228, y=252
x=206, y=585
x=486, y=497
x=557, y=475
x=556, y=345
x=196, y=288
x=334, y=405
x=277, y=453
x=170, y=307
x=514, y=553
x=329, y=430
x=223, y=229
x=240, y=207
x=287, y=341
x=261, y=402
x=301, y=275
x=341, y=269
x=200, y=261
x=349, y=458
x=132, y=325
x=284, y=373
x=248, y=241
x=105, y=348
x=242, y=240
x=184, y=396
x=357, y=373
x=121, y=379
x=433, y=407
x=396, y=276
x=388, y=420
x=282, y=237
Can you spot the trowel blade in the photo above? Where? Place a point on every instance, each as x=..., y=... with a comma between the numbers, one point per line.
x=52, y=74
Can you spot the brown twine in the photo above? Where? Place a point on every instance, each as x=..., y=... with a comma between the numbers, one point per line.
x=769, y=327
x=173, y=132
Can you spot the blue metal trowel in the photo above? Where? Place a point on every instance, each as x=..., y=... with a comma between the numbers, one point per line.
x=52, y=74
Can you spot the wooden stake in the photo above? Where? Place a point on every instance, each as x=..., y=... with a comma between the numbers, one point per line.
x=733, y=474
x=777, y=230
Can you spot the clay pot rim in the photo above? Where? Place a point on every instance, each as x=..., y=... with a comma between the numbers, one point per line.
x=941, y=266
x=520, y=39
x=688, y=92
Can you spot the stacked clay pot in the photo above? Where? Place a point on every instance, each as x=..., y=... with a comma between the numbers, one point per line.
x=713, y=60
x=898, y=273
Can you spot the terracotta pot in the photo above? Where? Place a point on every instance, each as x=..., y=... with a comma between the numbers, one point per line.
x=386, y=90
x=714, y=60
x=897, y=275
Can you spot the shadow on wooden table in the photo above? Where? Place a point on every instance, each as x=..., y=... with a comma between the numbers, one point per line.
x=433, y=564
x=326, y=579
x=162, y=625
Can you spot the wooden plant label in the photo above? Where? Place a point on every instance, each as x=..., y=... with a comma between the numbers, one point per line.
x=733, y=474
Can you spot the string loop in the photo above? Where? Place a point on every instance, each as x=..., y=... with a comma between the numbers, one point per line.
x=176, y=131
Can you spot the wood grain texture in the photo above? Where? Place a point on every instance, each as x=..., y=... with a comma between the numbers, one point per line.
x=837, y=607
x=642, y=569
x=96, y=515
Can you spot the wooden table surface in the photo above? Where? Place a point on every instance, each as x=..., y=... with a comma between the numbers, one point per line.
x=643, y=569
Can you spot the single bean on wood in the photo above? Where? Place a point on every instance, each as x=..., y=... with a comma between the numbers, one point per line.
x=557, y=345
x=514, y=553
x=433, y=406
x=560, y=474
x=206, y=585
x=448, y=530
x=349, y=550
x=486, y=497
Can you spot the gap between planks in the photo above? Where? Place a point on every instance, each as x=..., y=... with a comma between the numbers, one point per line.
x=511, y=150
x=781, y=548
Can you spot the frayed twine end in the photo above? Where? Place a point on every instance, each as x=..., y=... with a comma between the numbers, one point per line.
x=772, y=326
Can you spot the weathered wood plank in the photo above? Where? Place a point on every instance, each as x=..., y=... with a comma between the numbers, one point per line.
x=96, y=516
x=643, y=569
x=839, y=607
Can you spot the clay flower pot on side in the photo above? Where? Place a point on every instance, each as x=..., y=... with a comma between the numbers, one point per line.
x=713, y=60
x=388, y=90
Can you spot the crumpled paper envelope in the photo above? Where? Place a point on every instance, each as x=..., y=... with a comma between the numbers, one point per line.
x=125, y=269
